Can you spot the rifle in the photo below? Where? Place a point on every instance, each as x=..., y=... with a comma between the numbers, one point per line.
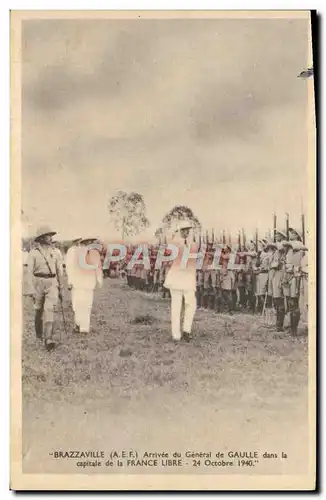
x=303, y=229
x=256, y=239
x=213, y=236
x=239, y=241
x=274, y=227
x=287, y=225
x=207, y=237
x=244, y=238
x=223, y=238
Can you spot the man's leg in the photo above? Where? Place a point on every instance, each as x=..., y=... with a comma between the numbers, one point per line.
x=38, y=321
x=74, y=301
x=38, y=307
x=280, y=313
x=176, y=304
x=86, y=302
x=190, y=309
x=294, y=315
x=51, y=300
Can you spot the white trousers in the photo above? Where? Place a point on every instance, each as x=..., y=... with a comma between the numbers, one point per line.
x=176, y=307
x=82, y=301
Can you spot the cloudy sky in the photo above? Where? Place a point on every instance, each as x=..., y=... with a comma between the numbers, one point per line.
x=207, y=113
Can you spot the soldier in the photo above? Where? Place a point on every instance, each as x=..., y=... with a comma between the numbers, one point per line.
x=250, y=278
x=292, y=275
x=199, y=288
x=83, y=276
x=304, y=287
x=212, y=280
x=181, y=281
x=241, y=275
x=207, y=276
x=71, y=262
x=276, y=277
x=45, y=284
x=261, y=270
x=133, y=273
x=227, y=279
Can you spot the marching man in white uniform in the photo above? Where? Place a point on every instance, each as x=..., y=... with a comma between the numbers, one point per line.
x=181, y=280
x=84, y=272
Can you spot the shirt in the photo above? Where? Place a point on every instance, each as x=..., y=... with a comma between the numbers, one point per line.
x=265, y=259
x=36, y=264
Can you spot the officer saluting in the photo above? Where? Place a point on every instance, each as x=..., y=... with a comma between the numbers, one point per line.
x=181, y=281
x=45, y=283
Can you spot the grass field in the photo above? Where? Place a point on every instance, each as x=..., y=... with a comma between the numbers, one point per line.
x=237, y=385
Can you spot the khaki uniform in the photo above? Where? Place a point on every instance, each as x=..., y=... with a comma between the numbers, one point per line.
x=304, y=286
x=276, y=277
x=45, y=281
x=262, y=273
x=227, y=278
x=276, y=273
x=291, y=282
x=292, y=271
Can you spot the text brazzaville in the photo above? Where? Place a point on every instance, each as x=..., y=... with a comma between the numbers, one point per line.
x=166, y=254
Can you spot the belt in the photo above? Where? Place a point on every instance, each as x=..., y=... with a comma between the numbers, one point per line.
x=264, y=271
x=42, y=275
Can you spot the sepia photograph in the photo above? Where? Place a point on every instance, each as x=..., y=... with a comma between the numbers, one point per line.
x=163, y=281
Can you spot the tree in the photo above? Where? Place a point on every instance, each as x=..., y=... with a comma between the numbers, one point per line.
x=128, y=213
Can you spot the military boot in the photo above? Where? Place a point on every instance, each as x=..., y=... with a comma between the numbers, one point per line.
x=205, y=300
x=295, y=318
x=280, y=315
x=38, y=321
x=48, y=333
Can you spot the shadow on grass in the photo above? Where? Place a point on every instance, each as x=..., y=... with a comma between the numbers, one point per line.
x=143, y=319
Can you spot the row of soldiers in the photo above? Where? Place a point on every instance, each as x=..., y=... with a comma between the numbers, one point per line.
x=267, y=275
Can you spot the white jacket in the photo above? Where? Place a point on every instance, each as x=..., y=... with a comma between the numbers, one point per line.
x=182, y=277
x=80, y=274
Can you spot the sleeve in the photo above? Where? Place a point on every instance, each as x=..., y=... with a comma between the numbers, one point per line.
x=95, y=259
x=30, y=271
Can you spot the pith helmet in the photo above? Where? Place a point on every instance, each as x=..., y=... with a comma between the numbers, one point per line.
x=282, y=233
x=292, y=230
x=88, y=239
x=183, y=224
x=43, y=231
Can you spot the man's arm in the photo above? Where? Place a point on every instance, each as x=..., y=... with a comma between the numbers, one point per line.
x=59, y=273
x=30, y=273
x=95, y=259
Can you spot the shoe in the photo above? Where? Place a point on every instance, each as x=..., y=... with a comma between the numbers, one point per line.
x=76, y=329
x=186, y=336
x=50, y=344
